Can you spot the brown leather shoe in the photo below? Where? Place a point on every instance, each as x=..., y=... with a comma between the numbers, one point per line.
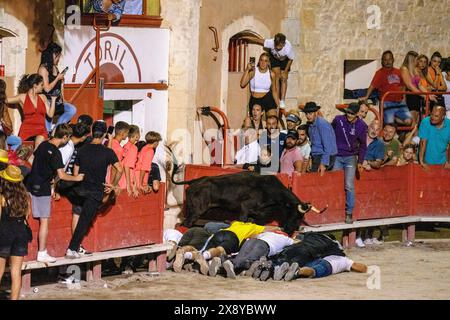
x=359, y=267
x=204, y=266
x=306, y=272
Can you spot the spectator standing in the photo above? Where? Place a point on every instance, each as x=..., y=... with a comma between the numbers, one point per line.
x=47, y=163
x=323, y=139
x=90, y=193
x=351, y=139
x=250, y=152
x=53, y=85
x=263, y=85
x=434, y=133
x=273, y=138
x=145, y=158
x=392, y=147
x=14, y=230
x=389, y=78
x=120, y=134
x=291, y=160
x=375, y=147
x=292, y=121
x=130, y=155
x=436, y=75
x=304, y=146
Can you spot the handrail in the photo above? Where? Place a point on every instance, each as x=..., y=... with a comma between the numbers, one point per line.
x=225, y=128
x=427, y=100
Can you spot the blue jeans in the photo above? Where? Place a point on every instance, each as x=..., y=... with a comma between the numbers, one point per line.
x=69, y=111
x=349, y=165
x=395, y=109
x=321, y=267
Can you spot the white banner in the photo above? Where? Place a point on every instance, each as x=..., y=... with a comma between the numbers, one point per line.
x=127, y=55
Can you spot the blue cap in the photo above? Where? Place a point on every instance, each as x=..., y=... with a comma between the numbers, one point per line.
x=293, y=118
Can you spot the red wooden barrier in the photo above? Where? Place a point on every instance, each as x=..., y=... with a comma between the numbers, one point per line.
x=385, y=193
x=130, y=222
x=431, y=191
x=382, y=193
x=321, y=191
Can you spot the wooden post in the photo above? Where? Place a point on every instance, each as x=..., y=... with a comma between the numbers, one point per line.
x=152, y=265
x=26, y=282
x=404, y=234
x=94, y=271
x=345, y=239
x=161, y=261
x=352, y=238
x=411, y=232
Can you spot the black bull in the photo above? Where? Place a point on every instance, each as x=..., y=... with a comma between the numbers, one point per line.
x=244, y=196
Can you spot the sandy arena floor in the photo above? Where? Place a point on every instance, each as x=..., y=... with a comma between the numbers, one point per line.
x=418, y=272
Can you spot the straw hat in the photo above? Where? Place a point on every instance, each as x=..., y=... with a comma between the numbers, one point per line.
x=12, y=174
x=4, y=156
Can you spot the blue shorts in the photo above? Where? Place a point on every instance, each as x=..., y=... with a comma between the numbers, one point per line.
x=394, y=110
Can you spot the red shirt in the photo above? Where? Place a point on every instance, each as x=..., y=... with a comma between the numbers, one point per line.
x=389, y=80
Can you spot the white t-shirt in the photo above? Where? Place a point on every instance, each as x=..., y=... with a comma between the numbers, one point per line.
x=172, y=235
x=305, y=150
x=284, y=53
x=66, y=152
x=339, y=264
x=276, y=241
x=249, y=153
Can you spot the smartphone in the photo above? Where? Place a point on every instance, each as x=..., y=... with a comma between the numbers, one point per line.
x=110, y=129
x=65, y=70
x=252, y=60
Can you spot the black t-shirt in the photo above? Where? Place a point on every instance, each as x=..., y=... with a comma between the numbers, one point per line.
x=47, y=160
x=93, y=160
x=71, y=164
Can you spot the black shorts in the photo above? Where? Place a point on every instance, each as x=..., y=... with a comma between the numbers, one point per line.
x=13, y=238
x=225, y=239
x=275, y=63
x=155, y=174
x=267, y=102
x=414, y=102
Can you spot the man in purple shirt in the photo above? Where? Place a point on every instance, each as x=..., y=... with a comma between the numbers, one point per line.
x=351, y=141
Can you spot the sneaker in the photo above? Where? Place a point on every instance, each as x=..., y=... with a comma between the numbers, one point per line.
x=214, y=266
x=44, y=257
x=204, y=266
x=72, y=254
x=348, y=219
x=282, y=104
x=360, y=243
x=189, y=267
x=83, y=252
x=179, y=261
x=368, y=242
x=252, y=269
x=376, y=241
x=280, y=271
x=291, y=272
x=267, y=269
x=229, y=268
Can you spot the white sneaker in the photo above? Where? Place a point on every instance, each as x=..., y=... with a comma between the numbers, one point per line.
x=376, y=241
x=359, y=243
x=368, y=242
x=71, y=254
x=44, y=257
x=282, y=104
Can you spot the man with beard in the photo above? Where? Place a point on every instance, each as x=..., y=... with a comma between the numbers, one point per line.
x=291, y=160
x=434, y=133
x=304, y=146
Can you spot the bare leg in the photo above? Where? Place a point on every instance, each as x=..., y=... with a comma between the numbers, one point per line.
x=16, y=277
x=179, y=257
x=2, y=268
x=415, y=115
x=75, y=218
x=277, y=72
x=407, y=122
x=155, y=185
x=43, y=233
x=283, y=89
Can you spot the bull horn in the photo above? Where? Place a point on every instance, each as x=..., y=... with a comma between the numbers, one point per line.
x=314, y=209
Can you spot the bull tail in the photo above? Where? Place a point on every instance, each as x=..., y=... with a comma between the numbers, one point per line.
x=174, y=172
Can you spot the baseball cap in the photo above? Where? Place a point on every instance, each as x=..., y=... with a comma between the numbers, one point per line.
x=293, y=118
x=292, y=134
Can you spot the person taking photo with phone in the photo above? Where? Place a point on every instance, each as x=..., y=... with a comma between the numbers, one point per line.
x=263, y=85
x=53, y=85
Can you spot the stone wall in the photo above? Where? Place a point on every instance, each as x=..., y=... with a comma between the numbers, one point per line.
x=332, y=31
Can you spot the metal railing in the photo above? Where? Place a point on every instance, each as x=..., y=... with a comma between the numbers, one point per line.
x=427, y=104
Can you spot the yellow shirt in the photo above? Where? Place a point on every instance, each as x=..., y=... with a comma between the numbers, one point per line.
x=244, y=230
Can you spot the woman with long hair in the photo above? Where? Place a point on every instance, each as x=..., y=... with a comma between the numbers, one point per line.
x=411, y=77
x=53, y=85
x=426, y=83
x=437, y=77
x=14, y=231
x=35, y=108
x=263, y=86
